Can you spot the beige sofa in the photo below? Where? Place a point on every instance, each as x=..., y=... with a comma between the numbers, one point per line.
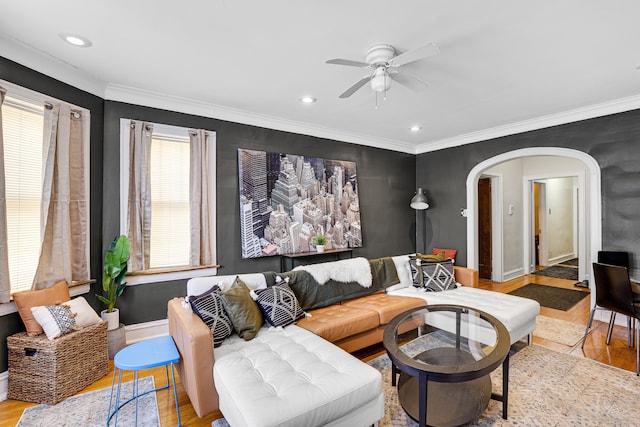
x=351, y=325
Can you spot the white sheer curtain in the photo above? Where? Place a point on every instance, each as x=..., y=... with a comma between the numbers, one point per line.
x=139, y=203
x=65, y=204
x=202, y=198
x=5, y=284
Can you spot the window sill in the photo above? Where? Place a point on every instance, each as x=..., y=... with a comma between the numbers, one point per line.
x=74, y=290
x=166, y=275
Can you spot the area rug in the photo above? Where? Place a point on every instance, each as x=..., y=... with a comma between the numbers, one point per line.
x=573, y=262
x=559, y=272
x=558, y=330
x=551, y=296
x=546, y=388
x=90, y=409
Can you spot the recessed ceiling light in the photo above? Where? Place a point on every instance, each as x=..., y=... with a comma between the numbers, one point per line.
x=76, y=40
x=308, y=99
x=415, y=128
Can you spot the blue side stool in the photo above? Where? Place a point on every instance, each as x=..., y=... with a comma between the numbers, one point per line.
x=144, y=355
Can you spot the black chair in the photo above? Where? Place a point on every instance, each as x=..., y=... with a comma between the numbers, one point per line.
x=620, y=258
x=613, y=292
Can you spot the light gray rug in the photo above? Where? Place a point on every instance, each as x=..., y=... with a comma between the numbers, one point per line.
x=558, y=330
x=90, y=409
x=546, y=388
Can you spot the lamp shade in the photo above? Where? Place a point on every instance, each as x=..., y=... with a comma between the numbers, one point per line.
x=419, y=201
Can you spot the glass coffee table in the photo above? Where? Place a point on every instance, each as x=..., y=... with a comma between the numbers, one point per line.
x=444, y=367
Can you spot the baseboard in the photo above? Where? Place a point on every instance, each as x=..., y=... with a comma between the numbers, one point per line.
x=134, y=333
x=144, y=331
x=512, y=274
x=562, y=258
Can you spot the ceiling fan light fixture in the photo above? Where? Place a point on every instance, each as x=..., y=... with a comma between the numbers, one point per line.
x=381, y=81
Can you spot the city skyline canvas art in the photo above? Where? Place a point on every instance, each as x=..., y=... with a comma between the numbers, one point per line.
x=287, y=199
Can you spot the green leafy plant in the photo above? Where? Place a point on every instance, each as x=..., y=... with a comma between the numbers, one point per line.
x=114, y=270
x=319, y=239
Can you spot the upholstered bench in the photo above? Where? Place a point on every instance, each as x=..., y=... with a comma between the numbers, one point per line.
x=291, y=377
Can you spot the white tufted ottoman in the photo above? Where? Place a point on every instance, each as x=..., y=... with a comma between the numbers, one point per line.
x=517, y=314
x=291, y=377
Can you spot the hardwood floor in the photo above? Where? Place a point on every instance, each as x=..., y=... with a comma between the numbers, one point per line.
x=617, y=353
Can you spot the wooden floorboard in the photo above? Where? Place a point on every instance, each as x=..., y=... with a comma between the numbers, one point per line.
x=616, y=354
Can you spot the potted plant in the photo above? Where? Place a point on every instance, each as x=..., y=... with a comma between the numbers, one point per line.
x=114, y=270
x=319, y=241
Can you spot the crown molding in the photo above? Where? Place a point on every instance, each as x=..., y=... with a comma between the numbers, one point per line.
x=575, y=115
x=121, y=93
x=45, y=63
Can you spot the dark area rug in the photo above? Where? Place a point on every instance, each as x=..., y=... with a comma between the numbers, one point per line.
x=550, y=296
x=573, y=262
x=559, y=272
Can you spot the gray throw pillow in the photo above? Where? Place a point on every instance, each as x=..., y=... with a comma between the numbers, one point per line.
x=438, y=276
x=208, y=306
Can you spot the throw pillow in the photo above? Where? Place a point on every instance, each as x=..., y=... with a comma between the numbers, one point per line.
x=85, y=315
x=208, y=306
x=439, y=257
x=448, y=253
x=242, y=310
x=438, y=276
x=278, y=304
x=415, y=264
x=56, y=320
x=27, y=299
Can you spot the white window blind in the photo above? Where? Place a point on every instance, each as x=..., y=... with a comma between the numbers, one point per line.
x=170, y=218
x=22, y=125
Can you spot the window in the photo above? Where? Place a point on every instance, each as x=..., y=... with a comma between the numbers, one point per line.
x=22, y=126
x=46, y=192
x=171, y=243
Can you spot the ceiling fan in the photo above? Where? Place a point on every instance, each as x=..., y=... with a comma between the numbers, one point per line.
x=383, y=62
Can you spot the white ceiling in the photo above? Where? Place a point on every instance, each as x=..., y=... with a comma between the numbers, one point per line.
x=504, y=66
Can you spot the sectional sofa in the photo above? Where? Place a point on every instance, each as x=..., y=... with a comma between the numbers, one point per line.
x=303, y=374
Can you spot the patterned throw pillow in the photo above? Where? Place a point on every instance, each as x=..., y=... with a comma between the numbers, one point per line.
x=56, y=320
x=208, y=306
x=415, y=264
x=279, y=304
x=438, y=276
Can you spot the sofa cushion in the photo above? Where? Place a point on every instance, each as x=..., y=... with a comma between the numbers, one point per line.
x=290, y=377
x=208, y=306
x=339, y=321
x=242, y=310
x=278, y=304
x=386, y=306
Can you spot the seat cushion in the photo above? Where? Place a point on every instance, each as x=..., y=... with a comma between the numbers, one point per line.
x=517, y=314
x=339, y=321
x=387, y=306
x=290, y=377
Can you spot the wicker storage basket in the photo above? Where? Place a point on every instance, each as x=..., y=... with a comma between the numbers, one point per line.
x=45, y=371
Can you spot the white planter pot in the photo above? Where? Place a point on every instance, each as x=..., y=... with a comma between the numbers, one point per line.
x=320, y=248
x=113, y=318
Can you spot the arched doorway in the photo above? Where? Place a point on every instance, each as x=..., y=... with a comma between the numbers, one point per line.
x=592, y=207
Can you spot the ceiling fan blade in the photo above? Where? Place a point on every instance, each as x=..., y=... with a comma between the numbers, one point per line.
x=347, y=93
x=411, y=82
x=348, y=62
x=414, y=55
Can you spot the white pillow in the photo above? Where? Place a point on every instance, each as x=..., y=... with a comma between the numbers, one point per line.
x=57, y=320
x=404, y=273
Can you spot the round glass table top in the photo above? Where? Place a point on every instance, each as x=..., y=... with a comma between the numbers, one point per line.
x=451, y=343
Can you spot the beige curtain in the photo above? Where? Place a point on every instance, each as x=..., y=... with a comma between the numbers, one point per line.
x=65, y=199
x=202, y=198
x=5, y=284
x=139, y=204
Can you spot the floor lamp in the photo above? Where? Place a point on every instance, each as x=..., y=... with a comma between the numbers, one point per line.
x=420, y=203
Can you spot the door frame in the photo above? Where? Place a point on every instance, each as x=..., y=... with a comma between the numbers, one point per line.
x=593, y=208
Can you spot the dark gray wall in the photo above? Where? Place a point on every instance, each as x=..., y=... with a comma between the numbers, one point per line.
x=613, y=141
x=17, y=74
x=386, y=181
